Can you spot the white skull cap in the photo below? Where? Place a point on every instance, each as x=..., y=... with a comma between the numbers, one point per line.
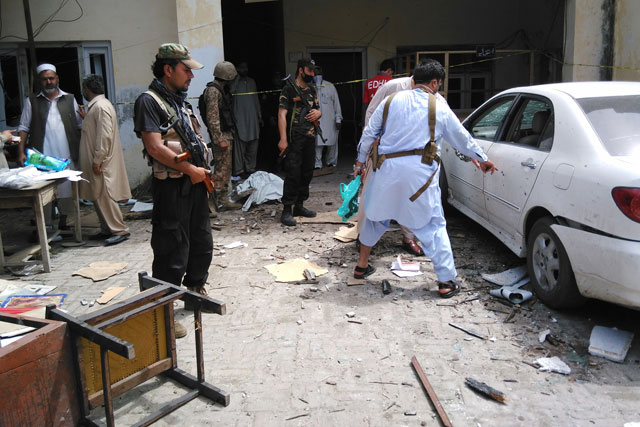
x=45, y=67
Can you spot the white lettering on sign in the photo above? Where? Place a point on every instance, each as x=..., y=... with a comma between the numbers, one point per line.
x=375, y=84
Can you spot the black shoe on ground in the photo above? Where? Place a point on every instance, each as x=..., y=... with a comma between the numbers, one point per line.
x=287, y=218
x=302, y=211
x=115, y=239
x=100, y=236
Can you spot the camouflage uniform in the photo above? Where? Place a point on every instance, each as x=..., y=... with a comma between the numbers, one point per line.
x=301, y=137
x=222, y=156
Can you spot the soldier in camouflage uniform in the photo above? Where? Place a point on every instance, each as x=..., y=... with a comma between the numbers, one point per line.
x=298, y=141
x=221, y=125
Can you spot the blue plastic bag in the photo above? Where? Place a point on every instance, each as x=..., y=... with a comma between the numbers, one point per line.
x=349, y=193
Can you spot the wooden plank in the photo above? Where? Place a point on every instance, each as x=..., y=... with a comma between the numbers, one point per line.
x=42, y=233
x=106, y=386
x=430, y=392
x=170, y=335
x=210, y=304
x=140, y=310
x=123, y=306
x=168, y=408
x=114, y=344
x=207, y=390
x=197, y=320
x=97, y=399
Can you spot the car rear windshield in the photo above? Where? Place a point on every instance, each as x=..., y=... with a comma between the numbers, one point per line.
x=616, y=120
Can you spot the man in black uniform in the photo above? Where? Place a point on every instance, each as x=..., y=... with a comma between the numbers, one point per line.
x=181, y=237
x=297, y=138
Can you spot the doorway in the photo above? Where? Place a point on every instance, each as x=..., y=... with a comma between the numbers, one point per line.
x=338, y=66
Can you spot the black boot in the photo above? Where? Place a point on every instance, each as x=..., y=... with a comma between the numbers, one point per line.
x=287, y=218
x=300, y=210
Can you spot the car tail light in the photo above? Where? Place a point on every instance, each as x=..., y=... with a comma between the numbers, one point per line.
x=628, y=201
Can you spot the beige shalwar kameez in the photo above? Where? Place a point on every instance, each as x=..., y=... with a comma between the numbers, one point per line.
x=100, y=144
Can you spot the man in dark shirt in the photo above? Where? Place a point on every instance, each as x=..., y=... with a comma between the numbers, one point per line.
x=181, y=236
x=297, y=141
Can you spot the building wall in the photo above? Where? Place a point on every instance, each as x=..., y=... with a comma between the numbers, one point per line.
x=135, y=30
x=627, y=41
x=381, y=26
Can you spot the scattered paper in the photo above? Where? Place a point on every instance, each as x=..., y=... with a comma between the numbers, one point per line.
x=542, y=336
x=8, y=330
x=71, y=175
x=553, y=364
x=39, y=289
x=405, y=268
x=109, y=294
x=346, y=234
x=293, y=271
x=236, y=244
x=507, y=278
x=141, y=207
x=101, y=270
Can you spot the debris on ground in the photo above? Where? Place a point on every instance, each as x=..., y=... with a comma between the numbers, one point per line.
x=293, y=271
x=552, y=364
x=109, y=294
x=386, y=287
x=430, y=392
x=346, y=234
x=610, y=343
x=405, y=268
x=266, y=186
x=507, y=278
x=485, y=389
x=469, y=331
x=101, y=270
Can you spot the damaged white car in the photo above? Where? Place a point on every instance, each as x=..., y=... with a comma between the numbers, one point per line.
x=567, y=195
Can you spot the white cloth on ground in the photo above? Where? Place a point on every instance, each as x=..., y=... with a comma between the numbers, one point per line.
x=267, y=186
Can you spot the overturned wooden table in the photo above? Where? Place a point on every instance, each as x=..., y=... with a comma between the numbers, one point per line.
x=36, y=196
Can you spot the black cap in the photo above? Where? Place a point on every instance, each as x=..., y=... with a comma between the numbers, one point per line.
x=306, y=62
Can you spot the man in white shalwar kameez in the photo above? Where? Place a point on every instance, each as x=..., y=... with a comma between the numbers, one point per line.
x=330, y=122
x=389, y=190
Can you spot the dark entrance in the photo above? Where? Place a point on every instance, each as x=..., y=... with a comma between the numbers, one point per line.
x=338, y=67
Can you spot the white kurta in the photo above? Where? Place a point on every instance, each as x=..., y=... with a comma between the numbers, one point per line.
x=331, y=113
x=246, y=108
x=407, y=128
x=55, y=139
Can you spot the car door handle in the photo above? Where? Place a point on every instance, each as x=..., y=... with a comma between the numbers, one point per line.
x=528, y=164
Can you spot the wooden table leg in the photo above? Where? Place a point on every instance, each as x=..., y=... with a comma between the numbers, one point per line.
x=106, y=386
x=76, y=211
x=42, y=234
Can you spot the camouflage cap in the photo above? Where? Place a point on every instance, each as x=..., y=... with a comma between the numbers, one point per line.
x=179, y=52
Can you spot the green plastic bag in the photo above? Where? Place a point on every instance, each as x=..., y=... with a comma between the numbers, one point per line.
x=349, y=193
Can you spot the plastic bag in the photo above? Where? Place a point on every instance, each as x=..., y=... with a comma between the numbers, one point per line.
x=349, y=193
x=44, y=162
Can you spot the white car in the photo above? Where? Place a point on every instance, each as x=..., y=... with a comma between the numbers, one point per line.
x=567, y=193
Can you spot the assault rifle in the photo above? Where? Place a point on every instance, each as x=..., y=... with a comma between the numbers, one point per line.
x=305, y=106
x=193, y=151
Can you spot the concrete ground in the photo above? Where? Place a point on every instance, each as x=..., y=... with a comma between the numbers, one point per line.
x=289, y=356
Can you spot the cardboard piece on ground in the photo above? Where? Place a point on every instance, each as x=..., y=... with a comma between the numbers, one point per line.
x=610, y=343
x=109, y=294
x=293, y=271
x=101, y=270
x=330, y=217
x=346, y=234
x=352, y=281
x=508, y=277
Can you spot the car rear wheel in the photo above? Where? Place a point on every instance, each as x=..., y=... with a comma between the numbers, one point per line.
x=549, y=267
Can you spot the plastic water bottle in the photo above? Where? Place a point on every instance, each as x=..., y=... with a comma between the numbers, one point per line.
x=44, y=162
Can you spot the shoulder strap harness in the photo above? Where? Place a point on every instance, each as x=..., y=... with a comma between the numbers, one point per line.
x=428, y=153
